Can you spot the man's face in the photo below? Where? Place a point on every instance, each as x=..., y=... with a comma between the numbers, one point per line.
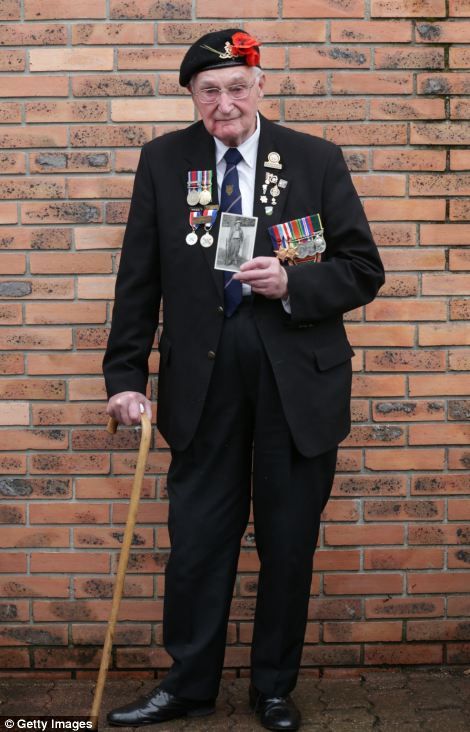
x=231, y=120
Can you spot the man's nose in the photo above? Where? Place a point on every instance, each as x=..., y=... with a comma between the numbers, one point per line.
x=225, y=101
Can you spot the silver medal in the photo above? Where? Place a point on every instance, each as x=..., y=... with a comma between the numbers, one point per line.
x=193, y=197
x=207, y=240
x=204, y=197
x=320, y=243
x=191, y=238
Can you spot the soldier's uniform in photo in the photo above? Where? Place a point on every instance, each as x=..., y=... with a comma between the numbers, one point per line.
x=253, y=392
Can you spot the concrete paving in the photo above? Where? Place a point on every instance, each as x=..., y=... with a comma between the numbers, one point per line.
x=431, y=700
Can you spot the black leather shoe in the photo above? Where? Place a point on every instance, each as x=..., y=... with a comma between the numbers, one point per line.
x=275, y=712
x=159, y=706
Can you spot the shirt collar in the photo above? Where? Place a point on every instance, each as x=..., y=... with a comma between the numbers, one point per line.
x=248, y=149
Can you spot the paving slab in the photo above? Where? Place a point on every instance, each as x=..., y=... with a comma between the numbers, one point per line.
x=403, y=700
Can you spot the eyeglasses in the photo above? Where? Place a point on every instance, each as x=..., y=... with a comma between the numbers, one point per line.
x=213, y=94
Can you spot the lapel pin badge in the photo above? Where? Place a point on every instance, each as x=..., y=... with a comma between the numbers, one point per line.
x=273, y=161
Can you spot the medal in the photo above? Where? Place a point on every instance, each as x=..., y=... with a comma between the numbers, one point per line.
x=191, y=238
x=299, y=240
x=193, y=198
x=207, y=240
x=273, y=161
x=199, y=187
x=204, y=197
x=275, y=191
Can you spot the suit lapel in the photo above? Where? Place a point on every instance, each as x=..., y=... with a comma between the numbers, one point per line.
x=268, y=143
x=199, y=154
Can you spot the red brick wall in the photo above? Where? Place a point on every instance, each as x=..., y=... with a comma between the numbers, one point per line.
x=83, y=84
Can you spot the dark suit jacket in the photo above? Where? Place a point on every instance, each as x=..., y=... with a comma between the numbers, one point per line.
x=308, y=350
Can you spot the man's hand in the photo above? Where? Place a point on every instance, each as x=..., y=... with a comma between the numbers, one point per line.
x=266, y=276
x=125, y=407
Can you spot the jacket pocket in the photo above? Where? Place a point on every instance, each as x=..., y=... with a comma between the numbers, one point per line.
x=164, y=346
x=332, y=354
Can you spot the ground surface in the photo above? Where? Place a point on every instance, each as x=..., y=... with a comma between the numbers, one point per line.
x=436, y=700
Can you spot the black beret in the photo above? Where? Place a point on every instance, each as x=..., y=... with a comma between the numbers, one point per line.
x=211, y=52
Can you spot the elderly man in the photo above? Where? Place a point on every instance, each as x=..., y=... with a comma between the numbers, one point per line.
x=255, y=368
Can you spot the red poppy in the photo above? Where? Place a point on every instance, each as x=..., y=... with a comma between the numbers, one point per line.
x=244, y=45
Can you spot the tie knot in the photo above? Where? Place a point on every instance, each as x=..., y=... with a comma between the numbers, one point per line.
x=233, y=156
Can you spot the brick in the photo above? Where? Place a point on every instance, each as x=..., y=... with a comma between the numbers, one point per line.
x=27, y=86
x=438, y=534
x=31, y=238
x=407, y=459
x=446, y=284
x=410, y=209
x=12, y=60
x=33, y=137
x=329, y=57
x=39, y=34
x=34, y=439
x=69, y=463
x=459, y=109
x=67, y=513
x=323, y=9
x=459, y=409
x=149, y=9
x=367, y=134
x=441, y=583
x=439, y=484
x=96, y=288
x=296, y=83
x=371, y=83
x=440, y=133
x=361, y=436
x=116, y=85
x=76, y=562
x=446, y=32
x=9, y=113
x=80, y=389
x=150, y=58
x=12, y=464
x=72, y=262
x=440, y=184
x=11, y=363
x=404, y=606
x=37, y=9
x=460, y=8
x=380, y=185
x=68, y=363
x=459, y=260
x=348, y=460
x=57, y=162
x=380, y=386
x=32, y=536
x=99, y=237
x=10, y=514
x=402, y=654
x=460, y=310
x=58, y=288
x=381, y=335
x=458, y=510
x=305, y=109
x=452, y=385
x=362, y=31
x=405, y=9
x=405, y=360
x=413, y=558
x=13, y=562
x=459, y=360
x=12, y=414
x=451, y=334
x=405, y=108
x=459, y=210
x=27, y=188
x=439, y=434
x=296, y=31
x=62, y=112
x=8, y=213
x=459, y=58
x=394, y=235
x=387, y=57
x=362, y=632
x=448, y=234
x=152, y=110
x=419, y=510
x=352, y=584
x=419, y=630
x=112, y=33
x=13, y=263
x=111, y=136
x=384, y=310
x=32, y=338
x=69, y=212
x=50, y=313
x=69, y=414
x=32, y=389
x=243, y=9
x=71, y=59
x=12, y=162
x=458, y=459
x=405, y=411
x=362, y=535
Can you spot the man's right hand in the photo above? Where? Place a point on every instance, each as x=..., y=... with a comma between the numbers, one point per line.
x=125, y=407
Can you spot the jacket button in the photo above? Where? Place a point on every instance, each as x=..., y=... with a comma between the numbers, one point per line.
x=211, y=355
x=220, y=309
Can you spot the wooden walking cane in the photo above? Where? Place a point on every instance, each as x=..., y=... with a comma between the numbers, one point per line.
x=123, y=558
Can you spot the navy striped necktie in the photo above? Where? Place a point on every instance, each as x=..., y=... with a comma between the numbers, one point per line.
x=231, y=202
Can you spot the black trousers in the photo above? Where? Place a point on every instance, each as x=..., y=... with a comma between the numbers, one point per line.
x=242, y=432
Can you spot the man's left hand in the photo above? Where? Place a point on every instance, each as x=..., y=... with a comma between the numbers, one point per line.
x=266, y=276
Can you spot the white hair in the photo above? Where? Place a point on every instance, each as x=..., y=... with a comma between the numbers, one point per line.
x=257, y=69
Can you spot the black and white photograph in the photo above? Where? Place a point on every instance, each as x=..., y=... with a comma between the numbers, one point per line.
x=236, y=241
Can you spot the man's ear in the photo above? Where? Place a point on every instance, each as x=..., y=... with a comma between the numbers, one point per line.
x=261, y=83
